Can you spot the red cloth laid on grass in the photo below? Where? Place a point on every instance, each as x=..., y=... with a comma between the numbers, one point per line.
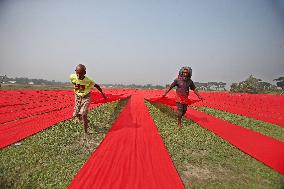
x=171, y=101
x=263, y=148
x=265, y=107
x=132, y=155
x=31, y=121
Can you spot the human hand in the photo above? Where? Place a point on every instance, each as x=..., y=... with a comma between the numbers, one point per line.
x=76, y=86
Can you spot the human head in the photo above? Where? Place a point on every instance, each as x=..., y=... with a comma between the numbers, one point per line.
x=80, y=71
x=185, y=72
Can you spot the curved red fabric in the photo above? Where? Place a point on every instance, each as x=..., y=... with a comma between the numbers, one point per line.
x=18, y=130
x=132, y=155
x=170, y=101
x=265, y=107
x=24, y=104
x=263, y=148
x=35, y=103
x=37, y=111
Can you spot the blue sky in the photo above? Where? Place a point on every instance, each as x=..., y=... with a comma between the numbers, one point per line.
x=143, y=41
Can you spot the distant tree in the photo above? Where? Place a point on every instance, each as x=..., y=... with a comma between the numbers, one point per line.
x=216, y=85
x=201, y=86
x=280, y=82
x=210, y=85
x=158, y=87
x=221, y=85
x=265, y=86
x=148, y=86
x=234, y=87
x=2, y=79
x=253, y=85
x=250, y=85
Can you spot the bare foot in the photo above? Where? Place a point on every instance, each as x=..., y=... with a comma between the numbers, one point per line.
x=179, y=124
x=85, y=136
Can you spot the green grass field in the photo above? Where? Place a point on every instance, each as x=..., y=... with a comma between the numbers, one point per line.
x=204, y=160
x=51, y=158
x=264, y=128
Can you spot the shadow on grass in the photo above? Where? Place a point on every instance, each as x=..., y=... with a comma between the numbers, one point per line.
x=170, y=112
x=119, y=107
x=165, y=109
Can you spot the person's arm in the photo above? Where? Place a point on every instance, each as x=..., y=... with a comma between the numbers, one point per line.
x=197, y=94
x=76, y=87
x=72, y=80
x=169, y=88
x=100, y=89
x=193, y=87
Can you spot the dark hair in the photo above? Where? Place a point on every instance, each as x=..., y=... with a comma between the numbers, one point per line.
x=82, y=66
x=186, y=68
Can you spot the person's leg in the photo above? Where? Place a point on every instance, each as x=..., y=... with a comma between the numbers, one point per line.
x=77, y=108
x=85, y=122
x=179, y=121
x=179, y=113
x=80, y=117
x=184, y=109
x=84, y=112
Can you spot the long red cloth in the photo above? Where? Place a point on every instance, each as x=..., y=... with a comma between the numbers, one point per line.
x=18, y=130
x=32, y=117
x=265, y=107
x=171, y=101
x=263, y=148
x=132, y=155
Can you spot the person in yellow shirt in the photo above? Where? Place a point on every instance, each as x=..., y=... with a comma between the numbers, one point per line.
x=82, y=88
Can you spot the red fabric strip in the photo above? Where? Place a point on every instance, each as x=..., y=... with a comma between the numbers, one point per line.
x=171, y=101
x=263, y=148
x=268, y=108
x=132, y=155
x=34, y=118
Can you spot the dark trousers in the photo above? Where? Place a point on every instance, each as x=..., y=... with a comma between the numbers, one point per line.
x=181, y=109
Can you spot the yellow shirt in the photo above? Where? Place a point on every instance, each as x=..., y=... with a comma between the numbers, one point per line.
x=82, y=87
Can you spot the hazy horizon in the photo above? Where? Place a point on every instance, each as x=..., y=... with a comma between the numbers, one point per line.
x=142, y=42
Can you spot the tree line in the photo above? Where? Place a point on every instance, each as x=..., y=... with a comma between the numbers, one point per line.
x=255, y=86
x=26, y=81
x=249, y=85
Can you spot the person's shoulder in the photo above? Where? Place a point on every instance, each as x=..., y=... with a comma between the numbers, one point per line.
x=176, y=79
x=73, y=76
x=89, y=78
